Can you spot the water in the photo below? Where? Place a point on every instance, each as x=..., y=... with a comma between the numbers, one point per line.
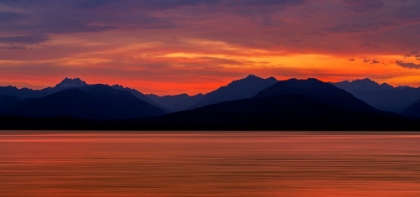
x=209, y=164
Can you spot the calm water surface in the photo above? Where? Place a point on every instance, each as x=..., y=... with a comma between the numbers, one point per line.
x=209, y=164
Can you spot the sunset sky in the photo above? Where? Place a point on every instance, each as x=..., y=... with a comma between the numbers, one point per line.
x=192, y=46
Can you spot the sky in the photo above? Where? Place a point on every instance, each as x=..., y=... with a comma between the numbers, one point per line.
x=192, y=46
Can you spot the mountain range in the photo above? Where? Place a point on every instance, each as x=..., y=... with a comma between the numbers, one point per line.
x=176, y=103
x=290, y=104
x=248, y=103
x=318, y=91
x=382, y=96
x=25, y=93
x=88, y=102
x=142, y=97
x=239, y=89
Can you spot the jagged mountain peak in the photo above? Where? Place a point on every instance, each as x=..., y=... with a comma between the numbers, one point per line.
x=237, y=89
x=251, y=76
x=71, y=83
x=117, y=86
x=366, y=80
x=363, y=85
x=272, y=78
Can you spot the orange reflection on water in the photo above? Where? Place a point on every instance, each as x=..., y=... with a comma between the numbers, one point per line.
x=209, y=164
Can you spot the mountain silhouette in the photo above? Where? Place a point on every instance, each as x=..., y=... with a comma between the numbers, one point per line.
x=285, y=105
x=240, y=89
x=22, y=93
x=381, y=96
x=25, y=93
x=279, y=112
x=88, y=102
x=72, y=102
x=142, y=97
x=413, y=110
x=363, y=85
x=7, y=103
x=318, y=91
x=177, y=102
x=291, y=104
x=68, y=83
x=123, y=104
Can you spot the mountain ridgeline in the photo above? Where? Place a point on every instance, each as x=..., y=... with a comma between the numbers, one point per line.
x=142, y=97
x=318, y=91
x=87, y=102
x=25, y=93
x=382, y=96
x=176, y=103
x=240, y=89
x=251, y=103
x=413, y=110
x=290, y=105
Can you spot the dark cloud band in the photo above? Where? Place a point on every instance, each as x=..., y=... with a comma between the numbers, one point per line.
x=409, y=65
